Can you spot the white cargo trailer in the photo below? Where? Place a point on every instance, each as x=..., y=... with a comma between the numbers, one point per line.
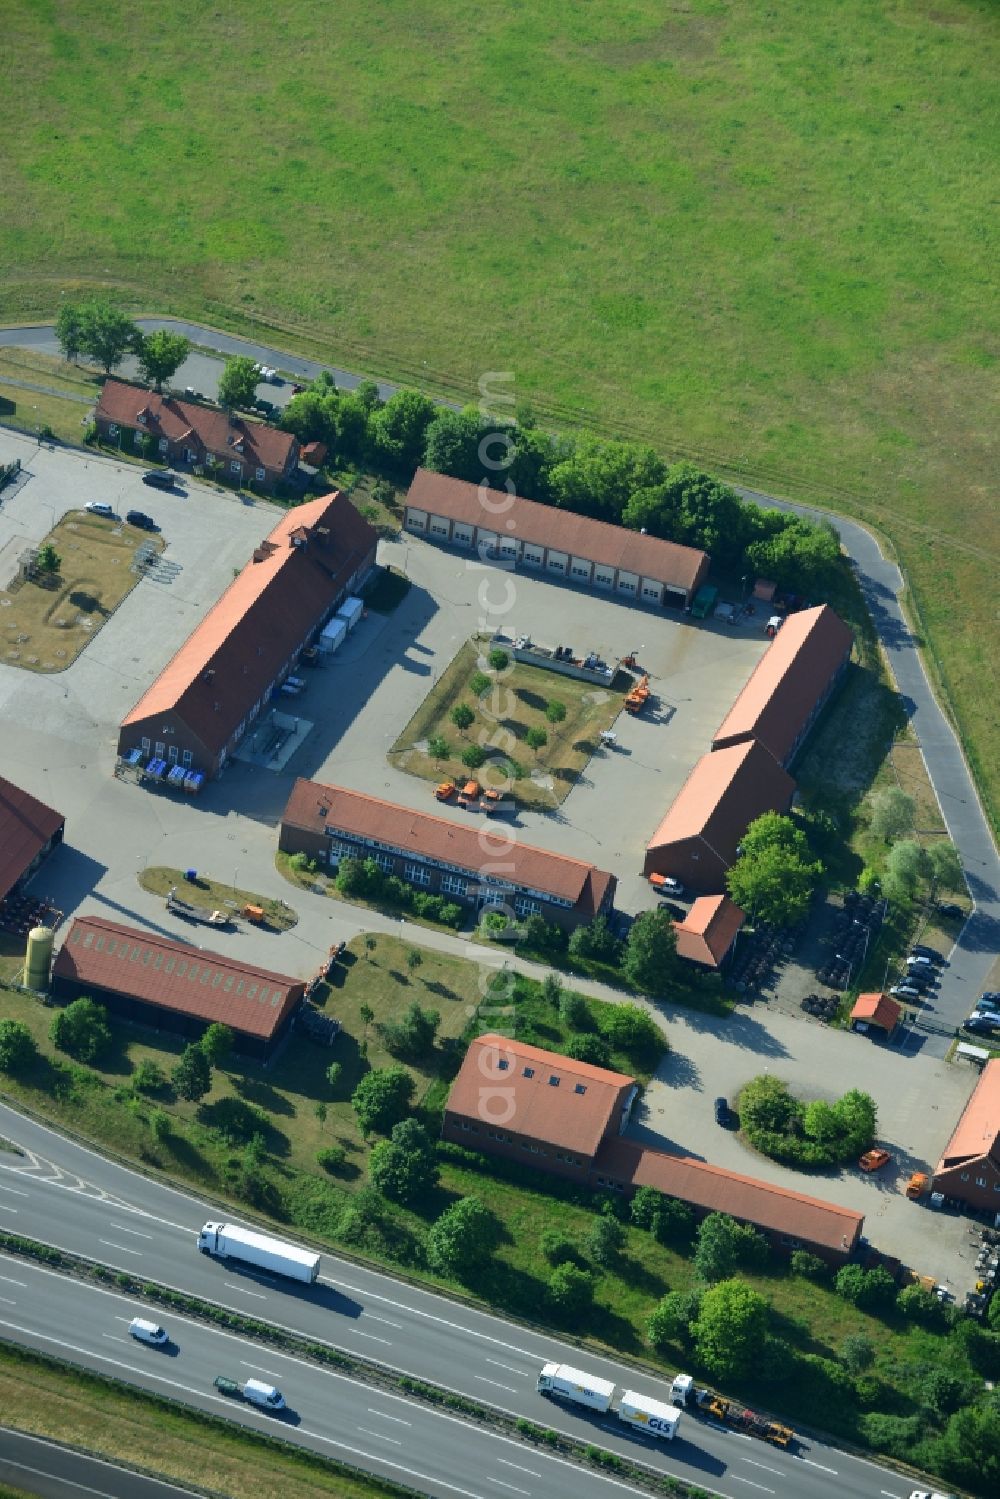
x=332, y=637
x=228, y=1241
x=351, y=611
x=649, y=1415
x=566, y=1383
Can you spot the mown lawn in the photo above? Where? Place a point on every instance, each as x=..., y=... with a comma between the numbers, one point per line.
x=503, y=716
x=755, y=236
x=62, y=401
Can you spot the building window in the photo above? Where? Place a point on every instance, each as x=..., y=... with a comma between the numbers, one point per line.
x=144, y=745
x=385, y=862
x=502, y=1064
x=492, y=898
x=163, y=444
x=418, y=874
x=553, y=1081
x=580, y=1088
x=172, y=754
x=965, y=1176
x=530, y=1072
x=235, y=466
x=160, y=748
x=187, y=757
x=980, y=1181
x=525, y=907
x=650, y=593
x=112, y=429
x=581, y=572
x=261, y=475
x=137, y=437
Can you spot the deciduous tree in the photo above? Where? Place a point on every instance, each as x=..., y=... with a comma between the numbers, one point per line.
x=82, y=1030
x=463, y=1239
x=192, y=1077
x=161, y=355
x=650, y=960
x=404, y=1167
x=730, y=1329
x=382, y=1098
x=238, y=382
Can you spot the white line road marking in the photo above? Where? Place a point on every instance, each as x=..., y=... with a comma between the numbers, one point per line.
x=71, y=1484
x=818, y=1465
x=121, y=1248
x=750, y=1483
x=753, y=1464
x=14, y=1191
x=371, y=1337
x=133, y=1231
x=509, y=1367
x=257, y=1369
x=888, y=1495
x=112, y=1339
x=398, y=1419
x=372, y=1317
x=5, y=1209
x=12, y=1282
x=530, y=1471
x=413, y=1311
x=243, y=1290
x=381, y=1436
x=513, y=1487
x=483, y=1380
x=7, y=1301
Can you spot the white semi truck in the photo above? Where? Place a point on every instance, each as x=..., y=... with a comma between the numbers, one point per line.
x=227, y=1241
x=653, y=1416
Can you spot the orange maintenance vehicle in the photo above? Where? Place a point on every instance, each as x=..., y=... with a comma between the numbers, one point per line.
x=639, y=696
x=445, y=791
x=469, y=796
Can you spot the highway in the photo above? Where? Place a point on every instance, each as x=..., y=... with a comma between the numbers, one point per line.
x=38, y=1466
x=69, y=1196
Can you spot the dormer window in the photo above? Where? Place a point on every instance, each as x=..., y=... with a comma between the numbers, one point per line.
x=502, y=1064
x=553, y=1081
x=529, y=1071
x=580, y=1088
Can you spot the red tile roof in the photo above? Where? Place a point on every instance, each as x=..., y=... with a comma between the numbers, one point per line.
x=877, y=1009
x=713, y=1190
x=26, y=825
x=709, y=930
x=126, y=960
x=789, y=680
x=977, y=1133
x=264, y=615
x=725, y=791
x=206, y=427
x=562, y=530
x=571, y=1114
x=479, y=850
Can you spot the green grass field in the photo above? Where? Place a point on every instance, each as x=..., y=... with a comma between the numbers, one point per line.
x=759, y=237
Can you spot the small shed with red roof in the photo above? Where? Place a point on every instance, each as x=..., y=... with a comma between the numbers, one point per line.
x=876, y=1011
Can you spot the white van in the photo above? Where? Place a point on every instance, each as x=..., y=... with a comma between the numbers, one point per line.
x=147, y=1332
x=98, y=507
x=266, y=1395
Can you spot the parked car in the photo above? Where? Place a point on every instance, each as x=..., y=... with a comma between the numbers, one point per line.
x=665, y=884
x=930, y=953
x=142, y=520
x=724, y=1115
x=906, y=991
x=982, y=1022
x=987, y=1004
x=160, y=478
x=874, y=1160
x=98, y=507
x=949, y=908
x=990, y=996
x=916, y=960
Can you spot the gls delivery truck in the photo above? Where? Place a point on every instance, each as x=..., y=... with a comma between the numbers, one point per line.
x=226, y=1241
x=564, y=1383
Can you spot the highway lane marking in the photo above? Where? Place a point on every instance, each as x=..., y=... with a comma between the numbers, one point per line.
x=380, y=1436
x=398, y=1419
x=493, y=1382
x=7, y=1301
x=14, y=1191
x=134, y=1231
x=121, y=1248
x=414, y=1311
x=12, y=1282
x=754, y=1464
x=371, y=1337
x=509, y=1367
x=888, y=1495
x=112, y=1339
x=73, y=1484
x=243, y=1290
x=96, y=1462
x=512, y=1486
x=5, y=1209
x=530, y=1471
x=257, y=1369
x=818, y=1465
x=397, y=1325
x=750, y=1483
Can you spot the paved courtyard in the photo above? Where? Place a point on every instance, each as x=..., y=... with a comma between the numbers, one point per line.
x=919, y=1101
x=369, y=690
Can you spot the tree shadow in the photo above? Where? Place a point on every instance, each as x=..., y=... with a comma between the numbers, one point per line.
x=236, y=1122
x=88, y=603
x=531, y=699
x=263, y=1095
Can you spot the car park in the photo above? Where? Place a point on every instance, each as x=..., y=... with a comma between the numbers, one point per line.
x=145, y=1331
x=142, y=520
x=160, y=478
x=98, y=507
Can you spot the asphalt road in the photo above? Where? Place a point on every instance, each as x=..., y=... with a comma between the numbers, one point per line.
x=38, y=1466
x=68, y=1196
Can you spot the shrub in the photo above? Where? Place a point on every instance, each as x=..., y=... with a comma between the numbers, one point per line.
x=557, y=1248
x=148, y=1077
x=82, y=1030
x=857, y=1352
x=724, y=1244
x=570, y=1291
x=17, y=1047
x=605, y=1241
x=630, y=1029
x=589, y=1048
x=809, y=1266
x=670, y=1322
x=332, y=1158
x=921, y=1306
x=382, y=1098
x=574, y=1011
x=867, y=1289
x=412, y=1037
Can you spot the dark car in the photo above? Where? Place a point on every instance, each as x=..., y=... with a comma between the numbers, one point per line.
x=724, y=1114
x=142, y=520
x=949, y=908
x=160, y=478
x=982, y=1024
x=920, y=951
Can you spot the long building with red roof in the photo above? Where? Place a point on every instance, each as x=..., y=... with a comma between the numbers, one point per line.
x=202, y=703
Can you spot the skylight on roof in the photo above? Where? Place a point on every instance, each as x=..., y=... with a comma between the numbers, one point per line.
x=553, y=1081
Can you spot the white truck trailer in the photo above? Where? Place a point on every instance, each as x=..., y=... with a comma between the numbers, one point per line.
x=638, y=1411
x=227, y=1241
